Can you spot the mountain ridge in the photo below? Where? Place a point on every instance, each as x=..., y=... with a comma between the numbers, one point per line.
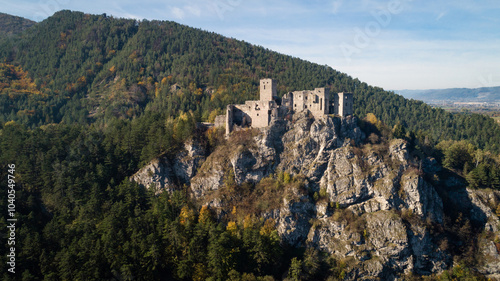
x=12, y=25
x=91, y=102
x=99, y=66
x=483, y=94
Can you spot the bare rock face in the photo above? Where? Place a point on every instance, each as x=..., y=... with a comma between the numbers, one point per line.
x=253, y=163
x=157, y=174
x=164, y=174
x=491, y=259
x=376, y=244
x=373, y=202
x=309, y=142
x=292, y=220
x=249, y=161
x=420, y=198
x=399, y=151
x=210, y=177
x=379, y=245
x=344, y=179
x=187, y=161
x=483, y=204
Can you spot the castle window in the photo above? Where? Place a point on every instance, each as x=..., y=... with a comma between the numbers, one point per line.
x=257, y=114
x=264, y=86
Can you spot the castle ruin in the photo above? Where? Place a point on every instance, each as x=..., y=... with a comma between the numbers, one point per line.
x=259, y=114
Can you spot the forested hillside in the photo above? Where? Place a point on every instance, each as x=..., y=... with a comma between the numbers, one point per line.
x=11, y=25
x=86, y=101
x=95, y=68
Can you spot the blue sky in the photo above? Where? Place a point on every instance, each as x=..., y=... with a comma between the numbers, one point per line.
x=394, y=44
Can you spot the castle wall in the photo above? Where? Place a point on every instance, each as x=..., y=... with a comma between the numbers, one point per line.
x=241, y=116
x=287, y=101
x=344, y=104
x=259, y=114
x=229, y=119
x=268, y=89
x=316, y=101
x=299, y=99
x=220, y=121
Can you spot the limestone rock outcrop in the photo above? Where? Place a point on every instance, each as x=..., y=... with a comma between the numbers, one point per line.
x=371, y=207
x=165, y=174
x=482, y=208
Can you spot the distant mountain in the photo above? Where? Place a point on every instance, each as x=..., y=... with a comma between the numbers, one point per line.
x=487, y=94
x=10, y=25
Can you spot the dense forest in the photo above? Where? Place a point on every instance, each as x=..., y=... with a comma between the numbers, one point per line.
x=93, y=68
x=10, y=25
x=86, y=100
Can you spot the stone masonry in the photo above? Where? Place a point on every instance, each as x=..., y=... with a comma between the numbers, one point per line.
x=259, y=114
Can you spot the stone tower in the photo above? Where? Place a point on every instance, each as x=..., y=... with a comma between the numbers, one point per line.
x=343, y=104
x=268, y=89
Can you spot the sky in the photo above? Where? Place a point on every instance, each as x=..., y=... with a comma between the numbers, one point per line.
x=393, y=44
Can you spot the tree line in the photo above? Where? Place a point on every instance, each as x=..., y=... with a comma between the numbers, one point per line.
x=95, y=67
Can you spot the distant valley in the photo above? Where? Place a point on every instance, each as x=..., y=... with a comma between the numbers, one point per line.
x=460, y=95
x=485, y=101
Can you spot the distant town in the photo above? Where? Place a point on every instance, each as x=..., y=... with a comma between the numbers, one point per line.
x=490, y=109
x=484, y=101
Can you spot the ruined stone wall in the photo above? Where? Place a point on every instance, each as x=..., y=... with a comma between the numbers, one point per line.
x=268, y=89
x=229, y=119
x=255, y=114
x=241, y=116
x=287, y=101
x=316, y=101
x=299, y=99
x=260, y=112
x=344, y=104
x=220, y=121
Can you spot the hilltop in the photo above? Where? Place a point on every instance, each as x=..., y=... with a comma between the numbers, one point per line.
x=100, y=67
x=12, y=25
x=117, y=175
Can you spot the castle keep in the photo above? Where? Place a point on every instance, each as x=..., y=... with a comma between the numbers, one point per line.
x=259, y=114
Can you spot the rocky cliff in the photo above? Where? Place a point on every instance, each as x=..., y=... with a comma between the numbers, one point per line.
x=369, y=205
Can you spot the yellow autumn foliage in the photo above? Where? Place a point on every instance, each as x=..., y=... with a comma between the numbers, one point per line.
x=204, y=216
x=232, y=227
